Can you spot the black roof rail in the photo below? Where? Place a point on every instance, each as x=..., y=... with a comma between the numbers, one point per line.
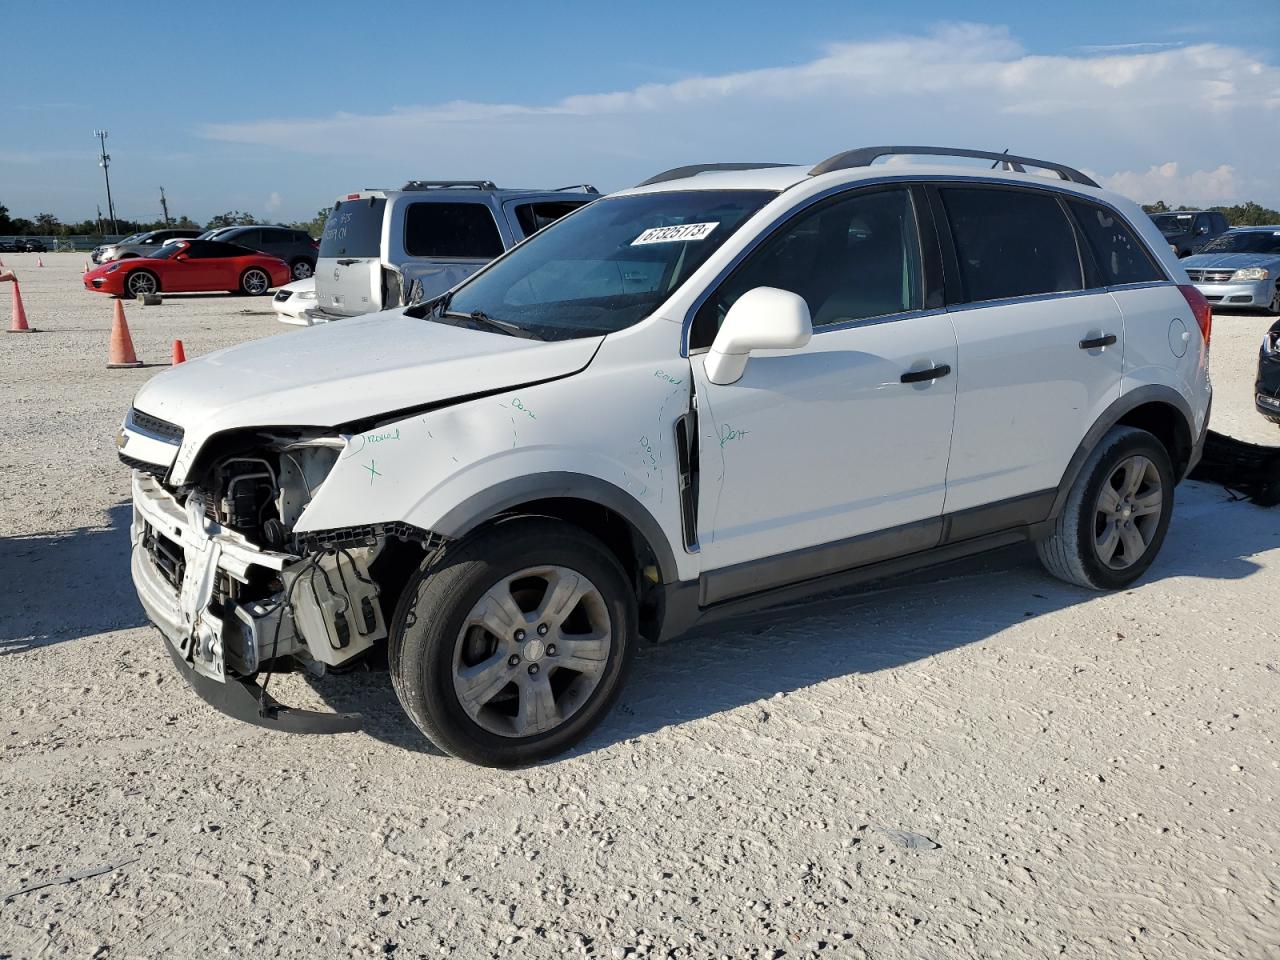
x=580, y=187
x=679, y=173
x=446, y=184
x=865, y=156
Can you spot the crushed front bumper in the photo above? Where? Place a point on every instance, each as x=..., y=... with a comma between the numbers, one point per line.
x=177, y=556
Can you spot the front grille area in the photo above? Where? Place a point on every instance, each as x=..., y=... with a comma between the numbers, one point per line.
x=155, y=426
x=1209, y=276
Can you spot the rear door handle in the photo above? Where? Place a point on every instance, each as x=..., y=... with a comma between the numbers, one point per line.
x=347, y=263
x=921, y=376
x=1093, y=343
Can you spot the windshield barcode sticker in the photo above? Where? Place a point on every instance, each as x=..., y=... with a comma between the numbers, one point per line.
x=681, y=231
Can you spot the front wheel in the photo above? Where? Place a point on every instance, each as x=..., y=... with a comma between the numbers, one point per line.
x=254, y=282
x=1274, y=307
x=141, y=282
x=1116, y=514
x=515, y=645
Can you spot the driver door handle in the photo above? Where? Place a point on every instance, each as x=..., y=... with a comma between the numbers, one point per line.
x=1093, y=343
x=921, y=376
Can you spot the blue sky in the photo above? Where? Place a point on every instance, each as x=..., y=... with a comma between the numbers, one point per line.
x=255, y=109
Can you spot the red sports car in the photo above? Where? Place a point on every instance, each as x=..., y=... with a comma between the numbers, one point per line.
x=190, y=266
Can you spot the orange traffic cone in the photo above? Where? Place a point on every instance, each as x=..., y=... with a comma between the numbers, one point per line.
x=179, y=355
x=86, y=266
x=121, y=350
x=19, y=324
x=39, y=261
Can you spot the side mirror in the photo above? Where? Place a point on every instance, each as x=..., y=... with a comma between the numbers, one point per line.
x=1202, y=231
x=180, y=256
x=765, y=318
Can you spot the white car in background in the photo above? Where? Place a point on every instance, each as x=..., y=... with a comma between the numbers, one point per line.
x=292, y=300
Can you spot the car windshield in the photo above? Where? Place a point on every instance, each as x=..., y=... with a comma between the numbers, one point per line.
x=1246, y=241
x=1173, y=224
x=606, y=266
x=132, y=238
x=166, y=251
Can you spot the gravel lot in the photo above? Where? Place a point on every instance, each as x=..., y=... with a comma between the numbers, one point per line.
x=1097, y=774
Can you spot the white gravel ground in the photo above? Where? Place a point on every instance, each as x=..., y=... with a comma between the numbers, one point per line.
x=1099, y=773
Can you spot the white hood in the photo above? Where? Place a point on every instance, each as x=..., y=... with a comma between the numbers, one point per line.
x=331, y=374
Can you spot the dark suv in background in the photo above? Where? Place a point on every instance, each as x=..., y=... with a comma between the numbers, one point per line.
x=294, y=247
x=1189, y=230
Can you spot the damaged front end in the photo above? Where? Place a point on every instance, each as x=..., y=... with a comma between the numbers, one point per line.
x=238, y=594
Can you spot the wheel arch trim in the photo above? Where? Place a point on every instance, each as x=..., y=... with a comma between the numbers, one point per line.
x=1152, y=393
x=489, y=503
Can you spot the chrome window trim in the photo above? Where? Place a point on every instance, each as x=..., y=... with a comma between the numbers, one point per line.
x=909, y=180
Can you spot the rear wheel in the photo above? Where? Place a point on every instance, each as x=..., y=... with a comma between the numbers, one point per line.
x=254, y=282
x=1116, y=515
x=516, y=644
x=301, y=269
x=140, y=282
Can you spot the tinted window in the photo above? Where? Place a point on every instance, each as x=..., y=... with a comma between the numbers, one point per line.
x=212, y=249
x=849, y=259
x=1120, y=256
x=249, y=238
x=1011, y=243
x=465, y=230
x=276, y=236
x=1245, y=241
x=354, y=229
x=532, y=217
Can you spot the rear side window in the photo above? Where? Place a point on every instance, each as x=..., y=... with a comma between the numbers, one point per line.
x=212, y=250
x=1120, y=256
x=354, y=229
x=532, y=217
x=466, y=231
x=1011, y=243
x=249, y=238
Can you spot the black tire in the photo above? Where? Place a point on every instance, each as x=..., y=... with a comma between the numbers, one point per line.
x=145, y=282
x=1072, y=552
x=1273, y=310
x=255, y=282
x=302, y=268
x=429, y=631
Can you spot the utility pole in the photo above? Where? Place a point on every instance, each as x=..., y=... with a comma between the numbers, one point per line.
x=100, y=230
x=104, y=163
x=164, y=205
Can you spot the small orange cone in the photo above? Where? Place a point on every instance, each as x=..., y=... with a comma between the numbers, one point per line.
x=39, y=261
x=121, y=352
x=19, y=324
x=86, y=266
x=179, y=355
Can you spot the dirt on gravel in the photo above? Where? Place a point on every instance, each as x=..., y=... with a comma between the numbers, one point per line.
x=982, y=762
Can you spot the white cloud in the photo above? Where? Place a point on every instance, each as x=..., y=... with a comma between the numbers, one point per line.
x=1201, y=107
x=1164, y=181
x=274, y=202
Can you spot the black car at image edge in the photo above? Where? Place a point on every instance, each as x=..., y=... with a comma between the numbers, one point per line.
x=1267, y=389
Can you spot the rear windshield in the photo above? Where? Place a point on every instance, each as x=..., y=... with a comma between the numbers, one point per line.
x=354, y=229
x=1246, y=241
x=1172, y=224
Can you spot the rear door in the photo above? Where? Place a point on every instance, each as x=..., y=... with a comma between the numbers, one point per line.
x=444, y=239
x=349, y=267
x=1039, y=348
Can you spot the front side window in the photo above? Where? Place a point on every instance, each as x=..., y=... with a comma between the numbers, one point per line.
x=465, y=231
x=1120, y=256
x=1173, y=224
x=1011, y=243
x=850, y=259
x=608, y=266
x=532, y=217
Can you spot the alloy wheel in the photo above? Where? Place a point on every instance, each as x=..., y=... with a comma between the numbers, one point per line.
x=1127, y=513
x=141, y=282
x=256, y=282
x=531, y=651
x=301, y=270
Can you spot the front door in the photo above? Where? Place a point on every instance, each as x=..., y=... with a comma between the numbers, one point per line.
x=833, y=455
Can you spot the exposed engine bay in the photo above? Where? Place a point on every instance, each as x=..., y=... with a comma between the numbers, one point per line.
x=251, y=594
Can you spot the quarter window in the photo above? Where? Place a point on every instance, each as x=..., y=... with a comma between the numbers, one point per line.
x=463, y=230
x=1011, y=243
x=532, y=217
x=850, y=259
x=1120, y=256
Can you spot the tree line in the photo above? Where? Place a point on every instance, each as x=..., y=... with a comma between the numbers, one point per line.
x=47, y=225
x=1247, y=214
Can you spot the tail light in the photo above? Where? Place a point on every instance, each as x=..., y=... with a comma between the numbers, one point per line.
x=1200, y=308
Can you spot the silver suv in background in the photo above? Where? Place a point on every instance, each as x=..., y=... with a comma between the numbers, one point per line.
x=385, y=248
x=141, y=244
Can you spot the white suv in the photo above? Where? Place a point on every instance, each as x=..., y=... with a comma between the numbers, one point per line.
x=733, y=385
